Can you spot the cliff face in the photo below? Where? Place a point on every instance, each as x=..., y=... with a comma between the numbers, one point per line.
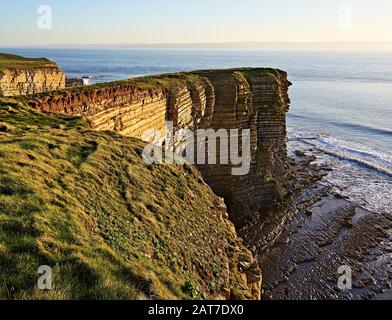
x=84, y=203
x=21, y=76
x=254, y=99
x=16, y=82
x=244, y=99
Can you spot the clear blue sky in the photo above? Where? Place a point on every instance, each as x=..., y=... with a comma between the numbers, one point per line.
x=179, y=21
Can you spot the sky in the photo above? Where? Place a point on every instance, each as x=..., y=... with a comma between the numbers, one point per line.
x=86, y=22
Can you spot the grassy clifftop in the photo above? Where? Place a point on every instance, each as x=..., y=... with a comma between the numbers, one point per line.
x=84, y=203
x=11, y=61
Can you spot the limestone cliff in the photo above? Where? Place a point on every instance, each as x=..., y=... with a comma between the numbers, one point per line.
x=252, y=98
x=21, y=76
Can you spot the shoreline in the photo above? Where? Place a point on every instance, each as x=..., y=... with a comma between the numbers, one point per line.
x=320, y=232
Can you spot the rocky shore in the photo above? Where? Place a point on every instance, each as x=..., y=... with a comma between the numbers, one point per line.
x=301, y=249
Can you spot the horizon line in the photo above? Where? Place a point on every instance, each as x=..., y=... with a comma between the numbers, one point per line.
x=266, y=45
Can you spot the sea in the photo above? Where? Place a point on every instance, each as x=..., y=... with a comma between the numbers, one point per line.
x=341, y=103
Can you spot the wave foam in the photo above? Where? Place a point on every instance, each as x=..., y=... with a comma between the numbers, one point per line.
x=350, y=151
x=364, y=175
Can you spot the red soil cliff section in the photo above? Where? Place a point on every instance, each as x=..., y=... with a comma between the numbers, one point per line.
x=252, y=98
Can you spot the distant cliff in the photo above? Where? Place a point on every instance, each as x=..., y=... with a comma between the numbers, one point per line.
x=21, y=76
x=248, y=98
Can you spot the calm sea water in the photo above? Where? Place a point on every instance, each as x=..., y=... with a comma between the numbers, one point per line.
x=341, y=102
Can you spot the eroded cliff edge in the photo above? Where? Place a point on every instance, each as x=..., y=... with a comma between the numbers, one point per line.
x=21, y=76
x=247, y=98
x=250, y=98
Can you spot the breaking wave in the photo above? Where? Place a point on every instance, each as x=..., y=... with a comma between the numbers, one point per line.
x=350, y=151
x=361, y=173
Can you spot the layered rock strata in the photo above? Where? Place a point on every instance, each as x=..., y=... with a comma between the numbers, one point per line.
x=23, y=76
x=255, y=99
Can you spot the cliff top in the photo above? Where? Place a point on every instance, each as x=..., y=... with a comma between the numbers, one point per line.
x=11, y=61
x=155, y=82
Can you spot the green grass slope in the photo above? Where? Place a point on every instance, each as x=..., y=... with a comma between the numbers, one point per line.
x=11, y=61
x=111, y=227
